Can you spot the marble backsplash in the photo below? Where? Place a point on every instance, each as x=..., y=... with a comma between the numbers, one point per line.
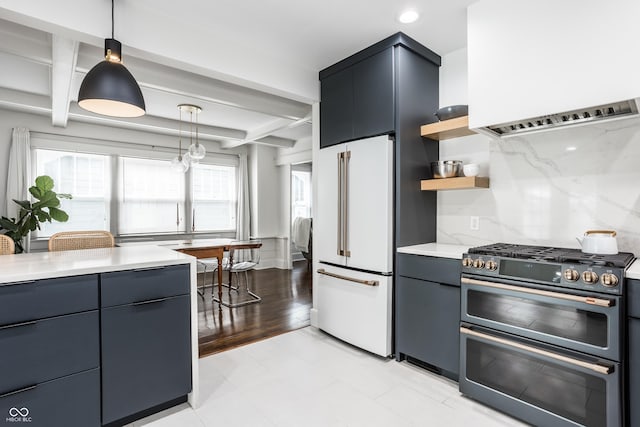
x=547, y=188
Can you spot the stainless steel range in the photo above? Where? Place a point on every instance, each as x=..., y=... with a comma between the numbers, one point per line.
x=542, y=333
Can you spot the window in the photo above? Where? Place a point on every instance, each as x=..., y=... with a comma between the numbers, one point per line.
x=85, y=176
x=128, y=190
x=300, y=194
x=151, y=197
x=214, y=197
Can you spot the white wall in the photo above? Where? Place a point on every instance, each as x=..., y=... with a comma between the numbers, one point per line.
x=545, y=188
x=267, y=195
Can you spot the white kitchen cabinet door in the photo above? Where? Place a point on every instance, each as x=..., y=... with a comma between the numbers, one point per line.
x=325, y=223
x=370, y=205
x=354, y=312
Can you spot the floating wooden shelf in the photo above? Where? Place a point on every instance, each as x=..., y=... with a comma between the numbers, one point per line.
x=458, y=183
x=452, y=128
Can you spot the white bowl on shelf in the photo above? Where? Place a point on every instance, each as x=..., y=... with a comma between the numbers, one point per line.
x=471, y=169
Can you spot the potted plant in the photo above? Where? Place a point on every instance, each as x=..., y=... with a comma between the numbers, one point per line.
x=46, y=208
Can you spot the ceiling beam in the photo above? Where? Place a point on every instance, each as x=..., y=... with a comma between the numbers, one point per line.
x=260, y=133
x=64, y=54
x=154, y=124
x=25, y=102
x=275, y=141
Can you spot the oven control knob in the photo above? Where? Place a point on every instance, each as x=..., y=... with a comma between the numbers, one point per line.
x=571, y=275
x=478, y=263
x=491, y=265
x=590, y=277
x=609, y=280
x=467, y=262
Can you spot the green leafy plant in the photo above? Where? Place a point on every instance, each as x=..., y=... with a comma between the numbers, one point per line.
x=46, y=208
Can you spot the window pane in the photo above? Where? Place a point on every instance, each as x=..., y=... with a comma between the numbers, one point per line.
x=300, y=194
x=151, y=197
x=85, y=177
x=214, y=197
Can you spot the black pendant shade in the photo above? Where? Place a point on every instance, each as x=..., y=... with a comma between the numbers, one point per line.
x=109, y=88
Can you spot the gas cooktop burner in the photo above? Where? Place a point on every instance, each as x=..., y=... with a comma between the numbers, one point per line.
x=551, y=254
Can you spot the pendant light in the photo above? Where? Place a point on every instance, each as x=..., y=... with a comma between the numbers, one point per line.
x=109, y=88
x=196, y=150
x=179, y=163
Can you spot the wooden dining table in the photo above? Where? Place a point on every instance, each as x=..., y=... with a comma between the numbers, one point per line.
x=214, y=248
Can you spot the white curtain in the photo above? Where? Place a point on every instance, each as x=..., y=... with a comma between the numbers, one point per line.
x=243, y=217
x=19, y=173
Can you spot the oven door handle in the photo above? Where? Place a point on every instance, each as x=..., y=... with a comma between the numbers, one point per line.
x=601, y=302
x=604, y=370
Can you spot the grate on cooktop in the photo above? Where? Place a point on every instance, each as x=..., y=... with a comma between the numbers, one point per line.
x=551, y=254
x=621, y=259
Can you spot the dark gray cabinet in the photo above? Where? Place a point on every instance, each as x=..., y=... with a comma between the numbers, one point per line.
x=390, y=88
x=95, y=349
x=70, y=401
x=50, y=352
x=336, y=108
x=428, y=312
x=146, y=340
x=357, y=101
x=634, y=372
x=633, y=359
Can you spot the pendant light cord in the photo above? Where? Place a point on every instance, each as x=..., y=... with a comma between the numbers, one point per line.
x=180, y=138
x=112, y=20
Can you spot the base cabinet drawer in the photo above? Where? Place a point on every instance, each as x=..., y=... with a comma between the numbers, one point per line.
x=131, y=286
x=146, y=355
x=38, y=299
x=39, y=351
x=71, y=401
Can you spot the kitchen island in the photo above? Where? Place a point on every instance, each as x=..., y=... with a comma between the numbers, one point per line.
x=111, y=331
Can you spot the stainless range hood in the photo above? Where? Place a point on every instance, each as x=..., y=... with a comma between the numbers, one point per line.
x=600, y=113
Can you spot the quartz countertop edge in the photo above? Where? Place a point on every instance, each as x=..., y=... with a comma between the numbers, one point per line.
x=633, y=272
x=46, y=265
x=442, y=250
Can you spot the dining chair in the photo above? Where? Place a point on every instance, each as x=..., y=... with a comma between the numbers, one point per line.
x=244, y=256
x=206, y=265
x=7, y=246
x=70, y=240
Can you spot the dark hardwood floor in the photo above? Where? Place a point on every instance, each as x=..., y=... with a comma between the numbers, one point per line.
x=285, y=305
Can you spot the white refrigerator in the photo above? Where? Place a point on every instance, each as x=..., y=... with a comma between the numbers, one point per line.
x=353, y=228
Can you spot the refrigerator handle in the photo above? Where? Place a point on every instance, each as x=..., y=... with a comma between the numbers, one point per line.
x=347, y=157
x=340, y=203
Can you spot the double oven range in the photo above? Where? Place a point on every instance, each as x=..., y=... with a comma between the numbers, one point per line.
x=542, y=333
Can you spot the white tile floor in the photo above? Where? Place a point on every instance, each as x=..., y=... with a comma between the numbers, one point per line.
x=307, y=378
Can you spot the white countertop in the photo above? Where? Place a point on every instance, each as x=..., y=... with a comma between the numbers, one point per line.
x=43, y=265
x=442, y=250
x=633, y=272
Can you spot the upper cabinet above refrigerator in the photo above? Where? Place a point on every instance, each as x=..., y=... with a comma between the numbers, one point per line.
x=357, y=101
x=528, y=60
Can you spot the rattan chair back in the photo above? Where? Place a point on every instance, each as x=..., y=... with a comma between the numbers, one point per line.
x=7, y=246
x=71, y=240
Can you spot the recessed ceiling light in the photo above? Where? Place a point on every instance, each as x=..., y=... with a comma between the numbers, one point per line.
x=408, y=16
x=571, y=148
